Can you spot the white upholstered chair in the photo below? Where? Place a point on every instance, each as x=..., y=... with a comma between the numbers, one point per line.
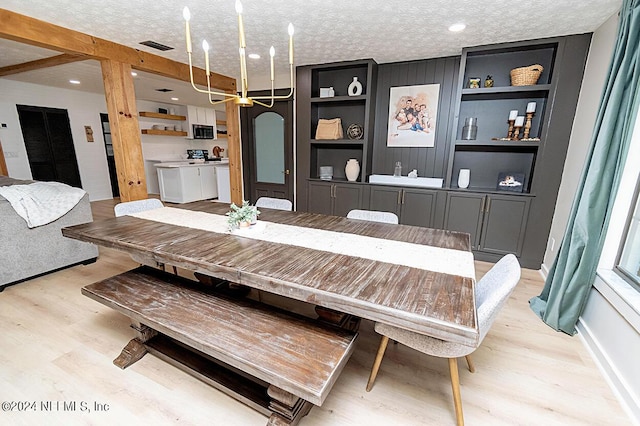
x=374, y=216
x=492, y=291
x=274, y=203
x=137, y=206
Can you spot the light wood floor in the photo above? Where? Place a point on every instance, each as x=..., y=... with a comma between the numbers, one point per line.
x=57, y=345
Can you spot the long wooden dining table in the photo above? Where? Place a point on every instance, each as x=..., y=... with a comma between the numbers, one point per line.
x=436, y=301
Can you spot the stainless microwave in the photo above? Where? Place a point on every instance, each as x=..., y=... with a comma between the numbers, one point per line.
x=201, y=131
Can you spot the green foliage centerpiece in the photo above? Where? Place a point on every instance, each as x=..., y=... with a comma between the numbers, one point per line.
x=241, y=217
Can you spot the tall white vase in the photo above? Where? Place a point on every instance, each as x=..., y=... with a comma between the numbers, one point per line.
x=463, y=178
x=355, y=88
x=352, y=169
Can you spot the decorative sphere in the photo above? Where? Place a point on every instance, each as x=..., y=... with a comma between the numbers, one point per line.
x=355, y=131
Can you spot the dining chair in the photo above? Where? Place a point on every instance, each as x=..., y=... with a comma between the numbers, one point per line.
x=274, y=203
x=374, y=216
x=491, y=293
x=137, y=206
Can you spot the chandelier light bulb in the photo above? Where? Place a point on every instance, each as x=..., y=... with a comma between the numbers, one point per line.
x=290, y=29
x=272, y=52
x=238, y=7
x=205, y=45
x=186, y=14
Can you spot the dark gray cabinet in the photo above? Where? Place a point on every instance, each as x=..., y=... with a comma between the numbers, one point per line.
x=335, y=199
x=496, y=222
x=413, y=206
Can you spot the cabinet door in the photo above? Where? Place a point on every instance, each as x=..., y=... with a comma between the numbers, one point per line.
x=504, y=224
x=418, y=206
x=170, y=184
x=208, y=182
x=346, y=197
x=320, y=197
x=385, y=199
x=190, y=185
x=464, y=213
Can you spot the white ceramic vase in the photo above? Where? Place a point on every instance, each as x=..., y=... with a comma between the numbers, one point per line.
x=463, y=178
x=355, y=88
x=352, y=169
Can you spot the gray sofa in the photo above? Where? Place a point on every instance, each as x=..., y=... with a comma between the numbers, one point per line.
x=26, y=253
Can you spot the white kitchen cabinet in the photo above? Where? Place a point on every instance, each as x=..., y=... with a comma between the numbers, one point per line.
x=200, y=115
x=187, y=183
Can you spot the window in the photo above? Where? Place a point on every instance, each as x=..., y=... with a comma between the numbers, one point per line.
x=629, y=258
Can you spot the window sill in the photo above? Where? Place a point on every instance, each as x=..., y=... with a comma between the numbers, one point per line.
x=620, y=294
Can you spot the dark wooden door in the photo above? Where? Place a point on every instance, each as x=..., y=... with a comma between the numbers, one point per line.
x=464, y=213
x=320, y=198
x=267, y=150
x=385, y=199
x=504, y=224
x=49, y=144
x=418, y=207
x=346, y=197
x=111, y=159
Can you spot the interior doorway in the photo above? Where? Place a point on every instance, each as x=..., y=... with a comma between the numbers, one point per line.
x=49, y=144
x=111, y=159
x=267, y=150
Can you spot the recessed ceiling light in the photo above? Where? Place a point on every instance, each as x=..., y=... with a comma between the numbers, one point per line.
x=74, y=81
x=175, y=99
x=133, y=73
x=457, y=27
x=254, y=56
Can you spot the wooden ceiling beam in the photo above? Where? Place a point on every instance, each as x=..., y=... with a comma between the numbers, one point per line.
x=28, y=30
x=65, y=58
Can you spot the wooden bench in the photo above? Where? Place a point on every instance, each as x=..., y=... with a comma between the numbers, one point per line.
x=274, y=361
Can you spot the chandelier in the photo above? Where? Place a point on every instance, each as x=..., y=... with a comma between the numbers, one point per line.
x=242, y=99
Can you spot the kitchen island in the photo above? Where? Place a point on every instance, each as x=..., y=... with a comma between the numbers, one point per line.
x=188, y=181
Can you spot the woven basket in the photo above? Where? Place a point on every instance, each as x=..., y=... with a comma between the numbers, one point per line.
x=526, y=76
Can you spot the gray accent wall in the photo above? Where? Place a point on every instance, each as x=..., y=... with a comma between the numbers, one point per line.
x=429, y=162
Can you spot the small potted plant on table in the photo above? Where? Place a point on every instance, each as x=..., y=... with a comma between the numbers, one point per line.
x=242, y=217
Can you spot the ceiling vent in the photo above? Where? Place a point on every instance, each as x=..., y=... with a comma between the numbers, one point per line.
x=156, y=45
x=164, y=90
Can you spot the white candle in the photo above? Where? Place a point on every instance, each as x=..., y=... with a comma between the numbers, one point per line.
x=187, y=16
x=272, y=53
x=513, y=114
x=519, y=121
x=531, y=107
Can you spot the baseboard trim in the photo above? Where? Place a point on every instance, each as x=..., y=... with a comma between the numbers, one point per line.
x=612, y=376
x=544, y=271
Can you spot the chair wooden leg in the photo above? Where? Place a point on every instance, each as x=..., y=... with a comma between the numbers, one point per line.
x=376, y=363
x=472, y=367
x=455, y=387
x=175, y=270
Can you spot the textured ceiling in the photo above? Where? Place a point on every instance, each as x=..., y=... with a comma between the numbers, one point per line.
x=326, y=30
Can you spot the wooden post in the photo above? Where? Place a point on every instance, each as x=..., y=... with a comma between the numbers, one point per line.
x=125, y=131
x=235, y=155
x=3, y=164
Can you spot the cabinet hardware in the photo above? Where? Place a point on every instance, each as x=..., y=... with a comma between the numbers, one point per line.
x=399, y=197
x=488, y=204
x=403, y=196
x=482, y=204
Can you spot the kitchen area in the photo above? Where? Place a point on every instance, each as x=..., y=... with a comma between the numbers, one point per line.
x=185, y=152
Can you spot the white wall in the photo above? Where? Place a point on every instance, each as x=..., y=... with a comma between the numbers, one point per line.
x=595, y=74
x=84, y=110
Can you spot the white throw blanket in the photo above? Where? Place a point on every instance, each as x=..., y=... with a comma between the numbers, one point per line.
x=40, y=203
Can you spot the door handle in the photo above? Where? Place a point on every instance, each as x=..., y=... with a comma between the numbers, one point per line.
x=286, y=172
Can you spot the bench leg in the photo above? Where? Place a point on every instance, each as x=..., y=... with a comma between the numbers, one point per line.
x=135, y=349
x=287, y=408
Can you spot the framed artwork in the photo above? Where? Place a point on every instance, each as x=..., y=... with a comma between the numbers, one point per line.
x=413, y=113
x=513, y=182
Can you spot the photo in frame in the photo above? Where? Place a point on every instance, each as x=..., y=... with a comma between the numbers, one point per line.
x=413, y=113
x=508, y=181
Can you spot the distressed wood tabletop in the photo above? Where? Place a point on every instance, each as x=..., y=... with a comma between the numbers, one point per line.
x=437, y=304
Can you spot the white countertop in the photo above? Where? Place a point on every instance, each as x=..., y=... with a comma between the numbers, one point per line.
x=187, y=163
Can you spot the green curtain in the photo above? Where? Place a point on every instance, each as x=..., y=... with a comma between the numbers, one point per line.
x=573, y=272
